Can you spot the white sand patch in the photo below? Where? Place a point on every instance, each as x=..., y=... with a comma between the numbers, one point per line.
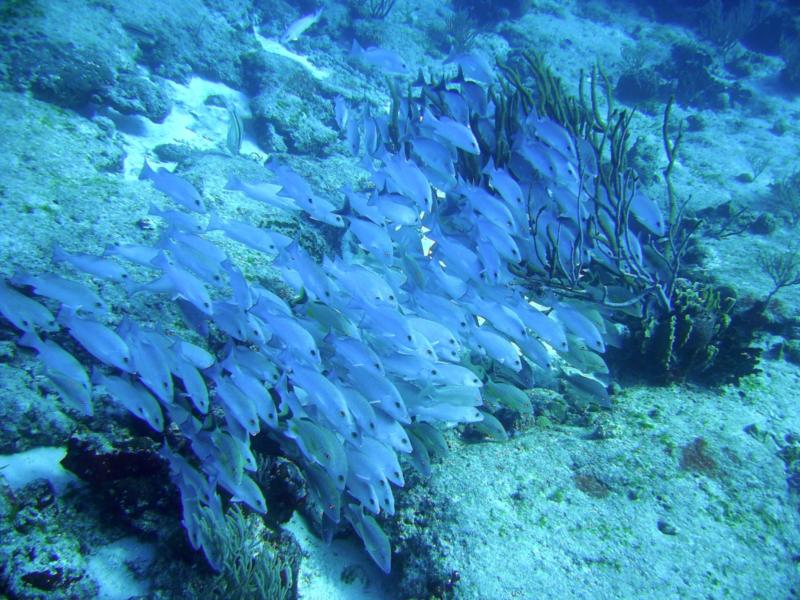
x=114, y=568
x=192, y=122
x=341, y=570
x=38, y=463
x=273, y=46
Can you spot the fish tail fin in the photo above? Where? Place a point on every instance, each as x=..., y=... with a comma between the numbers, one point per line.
x=30, y=339
x=147, y=171
x=65, y=315
x=234, y=183
x=214, y=222
x=97, y=376
x=59, y=254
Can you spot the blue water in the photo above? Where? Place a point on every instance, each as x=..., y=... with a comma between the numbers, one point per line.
x=399, y=300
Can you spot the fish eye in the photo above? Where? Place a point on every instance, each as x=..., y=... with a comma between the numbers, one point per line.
x=313, y=352
x=98, y=305
x=340, y=478
x=353, y=434
x=397, y=404
x=327, y=455
x=342, y=414
x=434, y=372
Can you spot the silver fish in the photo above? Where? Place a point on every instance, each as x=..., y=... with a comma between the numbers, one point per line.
x=298, y=27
